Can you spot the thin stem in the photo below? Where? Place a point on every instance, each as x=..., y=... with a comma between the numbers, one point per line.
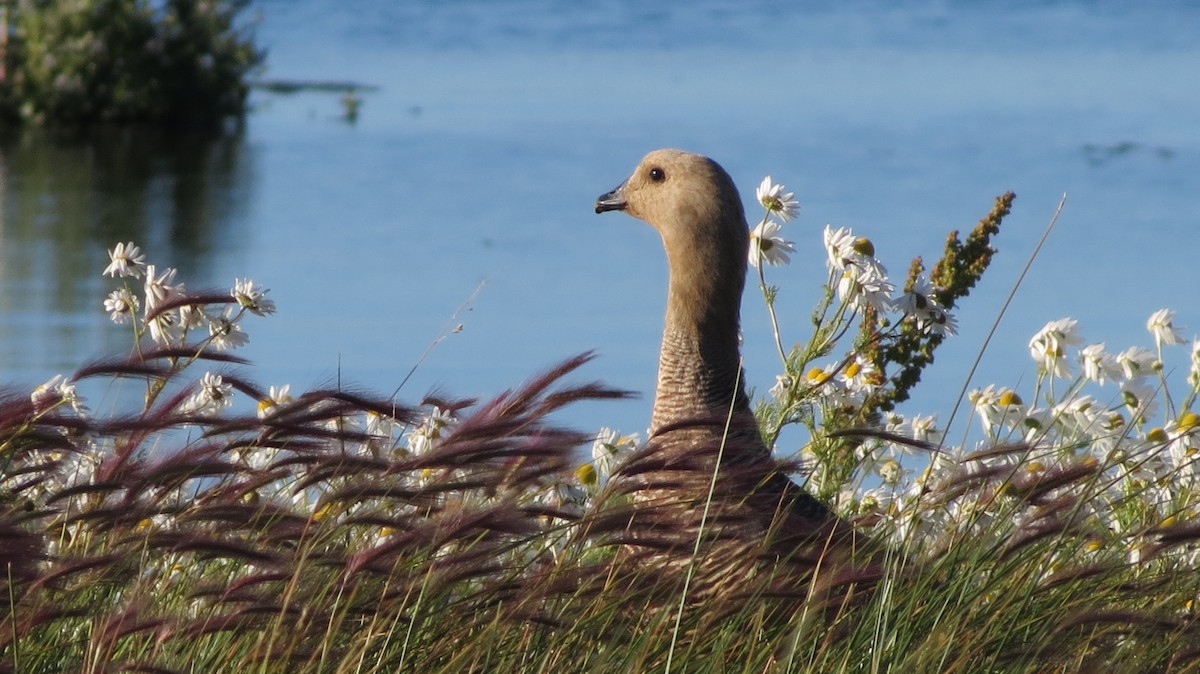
x=712, y=487
x=12, y=612
x=451, y=327
x=769, y=297
x=962, y=394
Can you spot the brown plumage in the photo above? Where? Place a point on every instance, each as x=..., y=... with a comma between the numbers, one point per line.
x=758, y=524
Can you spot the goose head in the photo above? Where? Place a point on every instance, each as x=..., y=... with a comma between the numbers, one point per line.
x=695, y=207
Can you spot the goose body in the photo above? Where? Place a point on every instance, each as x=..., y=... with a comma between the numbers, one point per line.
x=702, y=424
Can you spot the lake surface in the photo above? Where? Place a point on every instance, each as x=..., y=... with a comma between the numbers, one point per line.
x=496, y=124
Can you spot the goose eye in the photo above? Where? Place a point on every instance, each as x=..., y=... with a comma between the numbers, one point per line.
x=657, y=175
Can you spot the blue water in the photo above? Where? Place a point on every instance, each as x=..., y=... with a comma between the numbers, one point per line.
x=496, y=124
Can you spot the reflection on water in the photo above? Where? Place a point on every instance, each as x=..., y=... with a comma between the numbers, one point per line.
x=65, y=198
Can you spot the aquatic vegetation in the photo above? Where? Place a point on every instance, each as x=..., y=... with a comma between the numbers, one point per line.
x=189, y=519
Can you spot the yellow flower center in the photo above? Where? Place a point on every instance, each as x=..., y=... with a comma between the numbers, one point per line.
x=889, y=471
x=586, y=474
x=1129, y=399
x=863, y=246
x=816, y=376
x=1009, y=398
x=322, y=512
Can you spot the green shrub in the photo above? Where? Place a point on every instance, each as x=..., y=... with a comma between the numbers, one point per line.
x=85, y=61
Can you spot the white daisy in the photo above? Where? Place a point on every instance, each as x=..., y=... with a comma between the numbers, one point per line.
x=57, y=391
x=839, y=247
x=1136, y=361
x=1162, y=325
x=1098, y=365
x=276, y=397
x=160, y=288
x=1194, y=365
x=775, y=200
x=767, y=246
x=126, y=260
x=859, y=376
x=213, y=395
x=225, y=333
x=422, y=439
x=783, y=383
x=121, y=305
x=608, y=449
x=1046, y=347
x=866, y=286
x=921, y=303
x=252, y=297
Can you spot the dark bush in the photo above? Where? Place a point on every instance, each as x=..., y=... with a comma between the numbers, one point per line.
x=83, y=61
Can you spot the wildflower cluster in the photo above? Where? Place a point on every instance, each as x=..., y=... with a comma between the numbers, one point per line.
x=1125, y=469
x=171, y=313
x=861, y=280
x=766, y=244
x=896, y=334
x=1103, y=451
x=174, y=331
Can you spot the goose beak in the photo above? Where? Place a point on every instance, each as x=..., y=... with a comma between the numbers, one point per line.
x=612, y=201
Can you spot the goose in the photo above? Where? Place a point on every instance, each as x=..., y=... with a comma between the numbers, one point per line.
x=701, y=416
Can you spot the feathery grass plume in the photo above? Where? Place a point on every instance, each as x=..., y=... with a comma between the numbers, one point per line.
x=272, y=560
x=189, y=300
x=116, y=366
